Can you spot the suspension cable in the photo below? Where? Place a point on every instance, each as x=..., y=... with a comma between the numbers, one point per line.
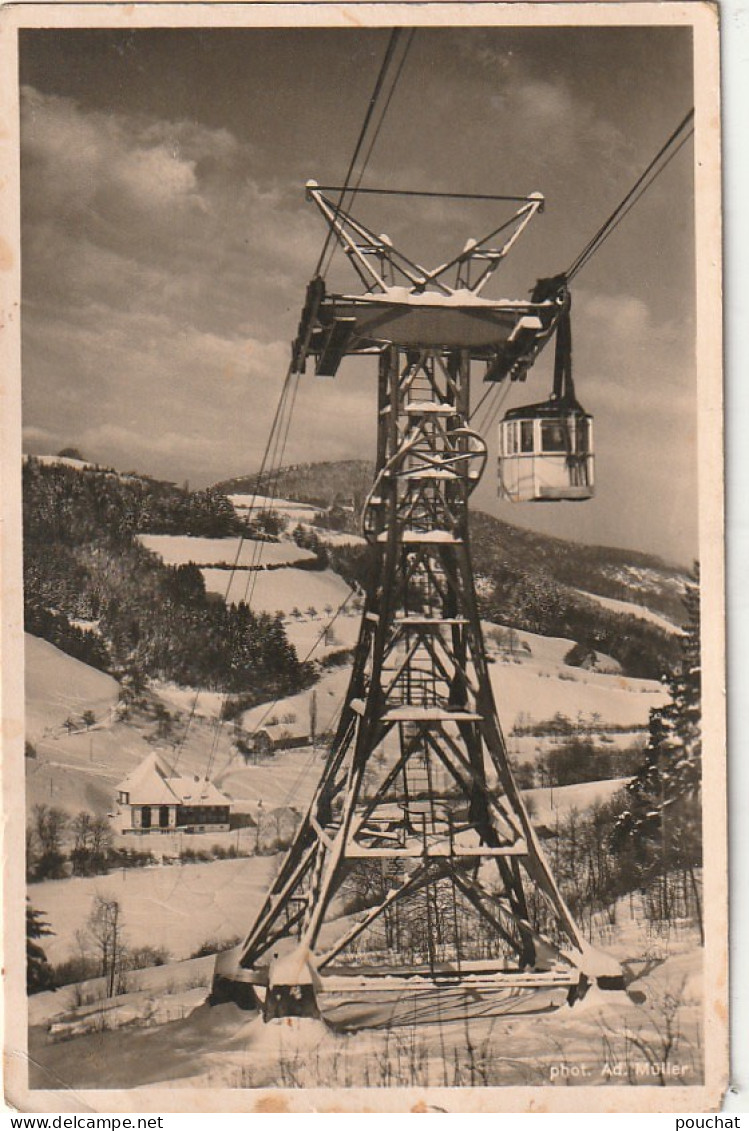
x=267, y=478
x=603, y=232
x=235, y=564
x=643, y=189
x=357, y=187
x=392, y=42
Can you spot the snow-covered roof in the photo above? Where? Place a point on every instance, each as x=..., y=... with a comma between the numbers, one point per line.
x=154, y=782
x=278, y=731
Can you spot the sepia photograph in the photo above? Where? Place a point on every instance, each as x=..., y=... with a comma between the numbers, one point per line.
x=363, y=604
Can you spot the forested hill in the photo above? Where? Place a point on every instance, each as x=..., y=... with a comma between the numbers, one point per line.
x=625, y=575
x=93, y=590
x=326, y=484
x=497, y=545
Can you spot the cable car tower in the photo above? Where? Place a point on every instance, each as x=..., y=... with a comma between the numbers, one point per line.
x=416, y=799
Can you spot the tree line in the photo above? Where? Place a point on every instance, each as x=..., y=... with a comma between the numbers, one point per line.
x=82, y=561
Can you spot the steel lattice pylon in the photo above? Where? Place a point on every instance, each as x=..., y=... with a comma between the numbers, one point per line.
x=416, y=812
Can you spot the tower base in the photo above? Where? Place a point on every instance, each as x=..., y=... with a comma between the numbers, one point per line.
x=349, y=998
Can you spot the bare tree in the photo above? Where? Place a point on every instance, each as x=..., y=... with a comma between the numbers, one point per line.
x=105, y=930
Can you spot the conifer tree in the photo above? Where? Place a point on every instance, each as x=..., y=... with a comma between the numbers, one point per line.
x=39, y=974
x=659, y=832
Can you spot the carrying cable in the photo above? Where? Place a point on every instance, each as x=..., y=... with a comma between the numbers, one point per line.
x=494, y=407
x=639, y=187
x=357, y=187
x=392, y=43
x=310, y=652
x=641, y=192
x=267, y=479
x=240, y=544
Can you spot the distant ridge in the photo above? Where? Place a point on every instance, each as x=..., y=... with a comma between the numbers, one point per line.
x=326, y=484
x=626, y=575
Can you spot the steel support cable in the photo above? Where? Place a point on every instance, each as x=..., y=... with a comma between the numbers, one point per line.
x=493, y=407
x=487, y=393
x=280, y=426
x=392, y=42
x=309, y=763
x=274, y=426
x=490, y=407
x=601, y=234
x=272, y=486
x=643, y=189
x=270, y=463
x=602, y=230
x=272, y=441
x=431, y=195
x=310, y=652
x=357, y=187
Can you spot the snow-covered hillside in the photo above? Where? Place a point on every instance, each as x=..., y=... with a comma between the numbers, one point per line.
x=240, y=554
x=59, y=687
x=629, y=608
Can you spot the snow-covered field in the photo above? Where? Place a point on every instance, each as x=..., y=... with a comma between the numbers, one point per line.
x=540, y=690
x=628, y=608
x=59, y=686
x=179, y=549
x=176, y=907
x=547, y=806
x=289, y=508
x=279, y=590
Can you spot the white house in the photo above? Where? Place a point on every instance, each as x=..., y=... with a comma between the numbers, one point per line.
x=154, y=798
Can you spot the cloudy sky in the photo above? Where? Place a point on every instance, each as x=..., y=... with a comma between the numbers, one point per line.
x=167, y=242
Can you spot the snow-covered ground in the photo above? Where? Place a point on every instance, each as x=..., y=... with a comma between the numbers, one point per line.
x=289, y=508
x=170, y=1037
x=540, y=690
x=179, y=549
x=279, y=590
x=334, y=537
x=176, y=907
x=547, y=806
x=646, y=1036
x=629, y=608
x=59, y=687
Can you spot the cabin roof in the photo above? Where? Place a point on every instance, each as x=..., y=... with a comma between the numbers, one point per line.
x=277, y=731
x=547, y=410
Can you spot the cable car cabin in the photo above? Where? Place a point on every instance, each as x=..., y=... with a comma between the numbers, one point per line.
x=546, y=453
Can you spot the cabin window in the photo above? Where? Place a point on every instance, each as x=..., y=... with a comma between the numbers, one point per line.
x=582, y=436
x=526, y=435
x=511, y=439
x=553, y=436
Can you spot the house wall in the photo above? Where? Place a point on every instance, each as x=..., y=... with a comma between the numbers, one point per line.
x=150, y=818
